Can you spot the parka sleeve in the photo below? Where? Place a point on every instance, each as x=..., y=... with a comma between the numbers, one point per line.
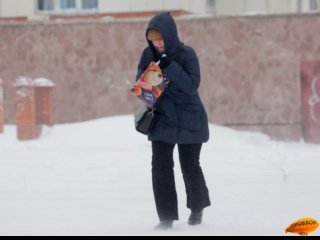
x=186, y=78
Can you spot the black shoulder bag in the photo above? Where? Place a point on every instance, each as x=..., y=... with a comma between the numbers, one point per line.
x=144, y=119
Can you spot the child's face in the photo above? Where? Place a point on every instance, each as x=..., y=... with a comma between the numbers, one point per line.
x=159, y=44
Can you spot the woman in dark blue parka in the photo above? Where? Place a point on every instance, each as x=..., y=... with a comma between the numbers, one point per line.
x=180, y=120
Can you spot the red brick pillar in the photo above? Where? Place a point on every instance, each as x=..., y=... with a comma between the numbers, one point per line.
x=310, y=73
x=26, y=110
x=44, y=101
x=1, y=106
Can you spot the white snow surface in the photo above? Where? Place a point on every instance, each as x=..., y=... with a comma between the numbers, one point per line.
x=94, y=178
x=43, y=82
x=23, y=81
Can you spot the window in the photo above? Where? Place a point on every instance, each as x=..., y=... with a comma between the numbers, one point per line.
x=56, y=7
x=211, y=5
x=46, y=5
x=313, y=5
x=89, y=4
x=299, y=6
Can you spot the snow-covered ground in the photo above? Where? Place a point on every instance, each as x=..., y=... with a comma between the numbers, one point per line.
x=94, y=178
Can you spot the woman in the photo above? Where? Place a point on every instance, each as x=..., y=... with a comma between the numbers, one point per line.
x=180, y=120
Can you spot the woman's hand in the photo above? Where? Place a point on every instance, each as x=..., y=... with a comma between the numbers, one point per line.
x=164, y=61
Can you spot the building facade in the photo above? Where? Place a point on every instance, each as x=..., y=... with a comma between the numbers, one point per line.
x=29, y=8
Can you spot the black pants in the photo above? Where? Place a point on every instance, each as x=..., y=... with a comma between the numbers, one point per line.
x=164, y=183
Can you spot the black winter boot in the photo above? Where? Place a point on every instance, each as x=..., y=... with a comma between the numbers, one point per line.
x=164, y=225
x=195, y=218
